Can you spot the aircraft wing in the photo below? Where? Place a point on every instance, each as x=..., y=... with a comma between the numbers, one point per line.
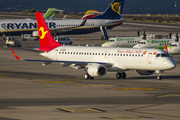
x=58, y=30
x=59, y=61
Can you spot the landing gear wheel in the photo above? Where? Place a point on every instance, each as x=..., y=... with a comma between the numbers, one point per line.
x=118, y=75
x=91, y=78
x=86, y=76
x=159, y=77
x=123, y=75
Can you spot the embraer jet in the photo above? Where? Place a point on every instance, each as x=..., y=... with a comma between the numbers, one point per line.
x=109, y=19
x=98, y=60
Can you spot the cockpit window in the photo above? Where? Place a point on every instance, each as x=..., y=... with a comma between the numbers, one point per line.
x=174, y=45
x=163, y=55
x=157, y=55
x=111, y=40
x=142, y=42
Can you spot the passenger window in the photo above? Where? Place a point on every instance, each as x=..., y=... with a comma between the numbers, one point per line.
x=126, y=54
x=157, y=55
x=130, y=55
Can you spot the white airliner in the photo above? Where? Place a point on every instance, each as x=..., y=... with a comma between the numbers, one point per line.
x=109, y=19
x=98, y=60
x=143, y=41
x=174, y=48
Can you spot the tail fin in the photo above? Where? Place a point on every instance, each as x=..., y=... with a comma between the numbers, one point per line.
x=45, y=37
x=114, y=10
x=50, y=13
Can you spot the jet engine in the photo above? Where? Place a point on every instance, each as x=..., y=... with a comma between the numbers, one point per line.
x=145, y=72
x=96, y=70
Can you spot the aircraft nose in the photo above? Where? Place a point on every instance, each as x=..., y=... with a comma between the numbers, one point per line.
x=136, y=46
x=170, y=64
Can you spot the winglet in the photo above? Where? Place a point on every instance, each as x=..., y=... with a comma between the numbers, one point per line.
x=84, y=22
x=15, y=54
x=166, y=48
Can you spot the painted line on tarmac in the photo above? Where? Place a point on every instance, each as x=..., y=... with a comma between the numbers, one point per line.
x=153, y=25
x=56, y=82
x=170, y=95
x=138, y=108
x=134, y=89
x=81, y=110
x=3, y=76
x=91, y=85
x=127, y=117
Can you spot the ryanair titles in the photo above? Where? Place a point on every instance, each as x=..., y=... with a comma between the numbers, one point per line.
x=18, y=26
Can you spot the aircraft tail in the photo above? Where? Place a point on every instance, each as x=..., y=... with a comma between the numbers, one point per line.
x=47, y=42
x=114, y=10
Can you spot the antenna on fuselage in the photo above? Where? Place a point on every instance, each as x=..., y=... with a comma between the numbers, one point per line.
x=144, y=35
x=170, y=35
x=138, y=33
x=177, y=37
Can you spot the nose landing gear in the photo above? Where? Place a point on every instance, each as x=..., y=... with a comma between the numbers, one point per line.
x=159, y=77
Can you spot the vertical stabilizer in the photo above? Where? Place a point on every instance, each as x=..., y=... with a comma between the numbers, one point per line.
x=45, y=37
x=114, y=10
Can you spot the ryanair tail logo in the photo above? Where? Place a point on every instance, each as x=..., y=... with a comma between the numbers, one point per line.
x=116, y=7
x=43, y=33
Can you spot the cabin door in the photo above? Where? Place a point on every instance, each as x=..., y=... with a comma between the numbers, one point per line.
x=56, y=54
x=149, y=59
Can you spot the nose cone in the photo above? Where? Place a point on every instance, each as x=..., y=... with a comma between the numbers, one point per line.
x=137, y=46
x=106, y=44
x=170, y=64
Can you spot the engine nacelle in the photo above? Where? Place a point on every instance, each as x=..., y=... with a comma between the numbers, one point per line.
x=145, y=72
x=96, y=70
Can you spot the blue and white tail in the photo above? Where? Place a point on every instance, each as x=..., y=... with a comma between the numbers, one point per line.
x=114, y=10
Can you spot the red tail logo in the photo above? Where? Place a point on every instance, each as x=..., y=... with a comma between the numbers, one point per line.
x=47, y=42
x=42, y=33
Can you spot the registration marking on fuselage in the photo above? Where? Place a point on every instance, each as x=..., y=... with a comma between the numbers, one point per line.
x=56, y=82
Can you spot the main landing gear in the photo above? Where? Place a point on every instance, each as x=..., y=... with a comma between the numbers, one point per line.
x=87, y=76
x=121, y=75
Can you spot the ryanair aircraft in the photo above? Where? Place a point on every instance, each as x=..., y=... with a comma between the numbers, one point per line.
x=109, y=19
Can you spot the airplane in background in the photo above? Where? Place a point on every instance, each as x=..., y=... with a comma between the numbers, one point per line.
x=132, y=41
x=109, y=19
x=5, y=24
x=98, y=60
x=174, y=48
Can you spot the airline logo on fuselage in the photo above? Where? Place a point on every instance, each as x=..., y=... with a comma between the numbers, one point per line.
x=42, y=33
x=19, y=26
x=116, y=7
x=158, y=41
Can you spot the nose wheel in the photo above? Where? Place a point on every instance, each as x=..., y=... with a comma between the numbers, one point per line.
x=159, y=77
x=121, y=75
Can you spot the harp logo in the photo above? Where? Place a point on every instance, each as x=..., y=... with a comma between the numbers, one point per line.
x=116, y=7
x=43, y=33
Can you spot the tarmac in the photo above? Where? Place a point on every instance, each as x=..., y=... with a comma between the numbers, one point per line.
x=29, y=91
